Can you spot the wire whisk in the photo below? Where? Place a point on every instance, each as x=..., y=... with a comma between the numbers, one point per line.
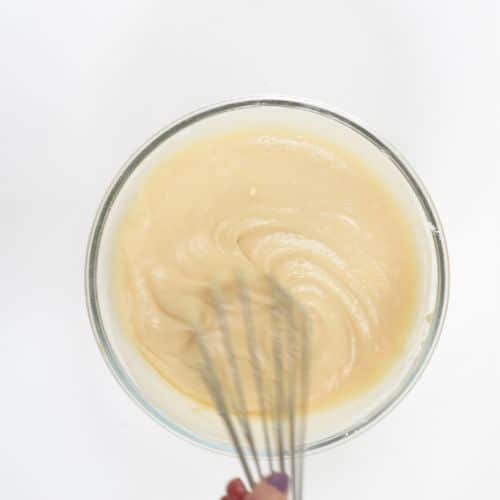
x=255, y=365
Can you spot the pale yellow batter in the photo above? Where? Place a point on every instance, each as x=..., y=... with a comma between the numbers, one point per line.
x=278, y=202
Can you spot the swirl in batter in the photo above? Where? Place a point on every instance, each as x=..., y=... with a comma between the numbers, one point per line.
x=267, y=201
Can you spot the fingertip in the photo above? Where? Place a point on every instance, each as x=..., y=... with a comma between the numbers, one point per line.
x=270, y=488
x=236, y=490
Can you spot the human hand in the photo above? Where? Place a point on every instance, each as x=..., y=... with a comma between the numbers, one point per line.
x=273, y=487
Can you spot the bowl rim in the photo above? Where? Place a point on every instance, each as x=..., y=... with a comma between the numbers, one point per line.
x=134, y=162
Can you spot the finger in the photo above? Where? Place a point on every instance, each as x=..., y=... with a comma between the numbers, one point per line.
x=236, y=490
x=273, y=488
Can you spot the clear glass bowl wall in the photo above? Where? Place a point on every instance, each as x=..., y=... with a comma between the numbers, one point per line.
x=201, y=425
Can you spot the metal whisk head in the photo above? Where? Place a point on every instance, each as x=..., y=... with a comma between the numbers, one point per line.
x=255, y=367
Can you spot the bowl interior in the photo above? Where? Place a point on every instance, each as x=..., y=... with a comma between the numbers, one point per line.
x=183, y=415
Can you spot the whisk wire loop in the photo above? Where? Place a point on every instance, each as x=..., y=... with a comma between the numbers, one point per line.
x=274, y=432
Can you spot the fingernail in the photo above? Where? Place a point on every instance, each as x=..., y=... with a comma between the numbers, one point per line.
x=279, y=481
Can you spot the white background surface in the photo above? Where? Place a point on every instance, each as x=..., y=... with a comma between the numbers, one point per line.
x=82, y=84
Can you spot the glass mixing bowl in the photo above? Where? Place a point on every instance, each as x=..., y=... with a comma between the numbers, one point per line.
x=201, y=425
